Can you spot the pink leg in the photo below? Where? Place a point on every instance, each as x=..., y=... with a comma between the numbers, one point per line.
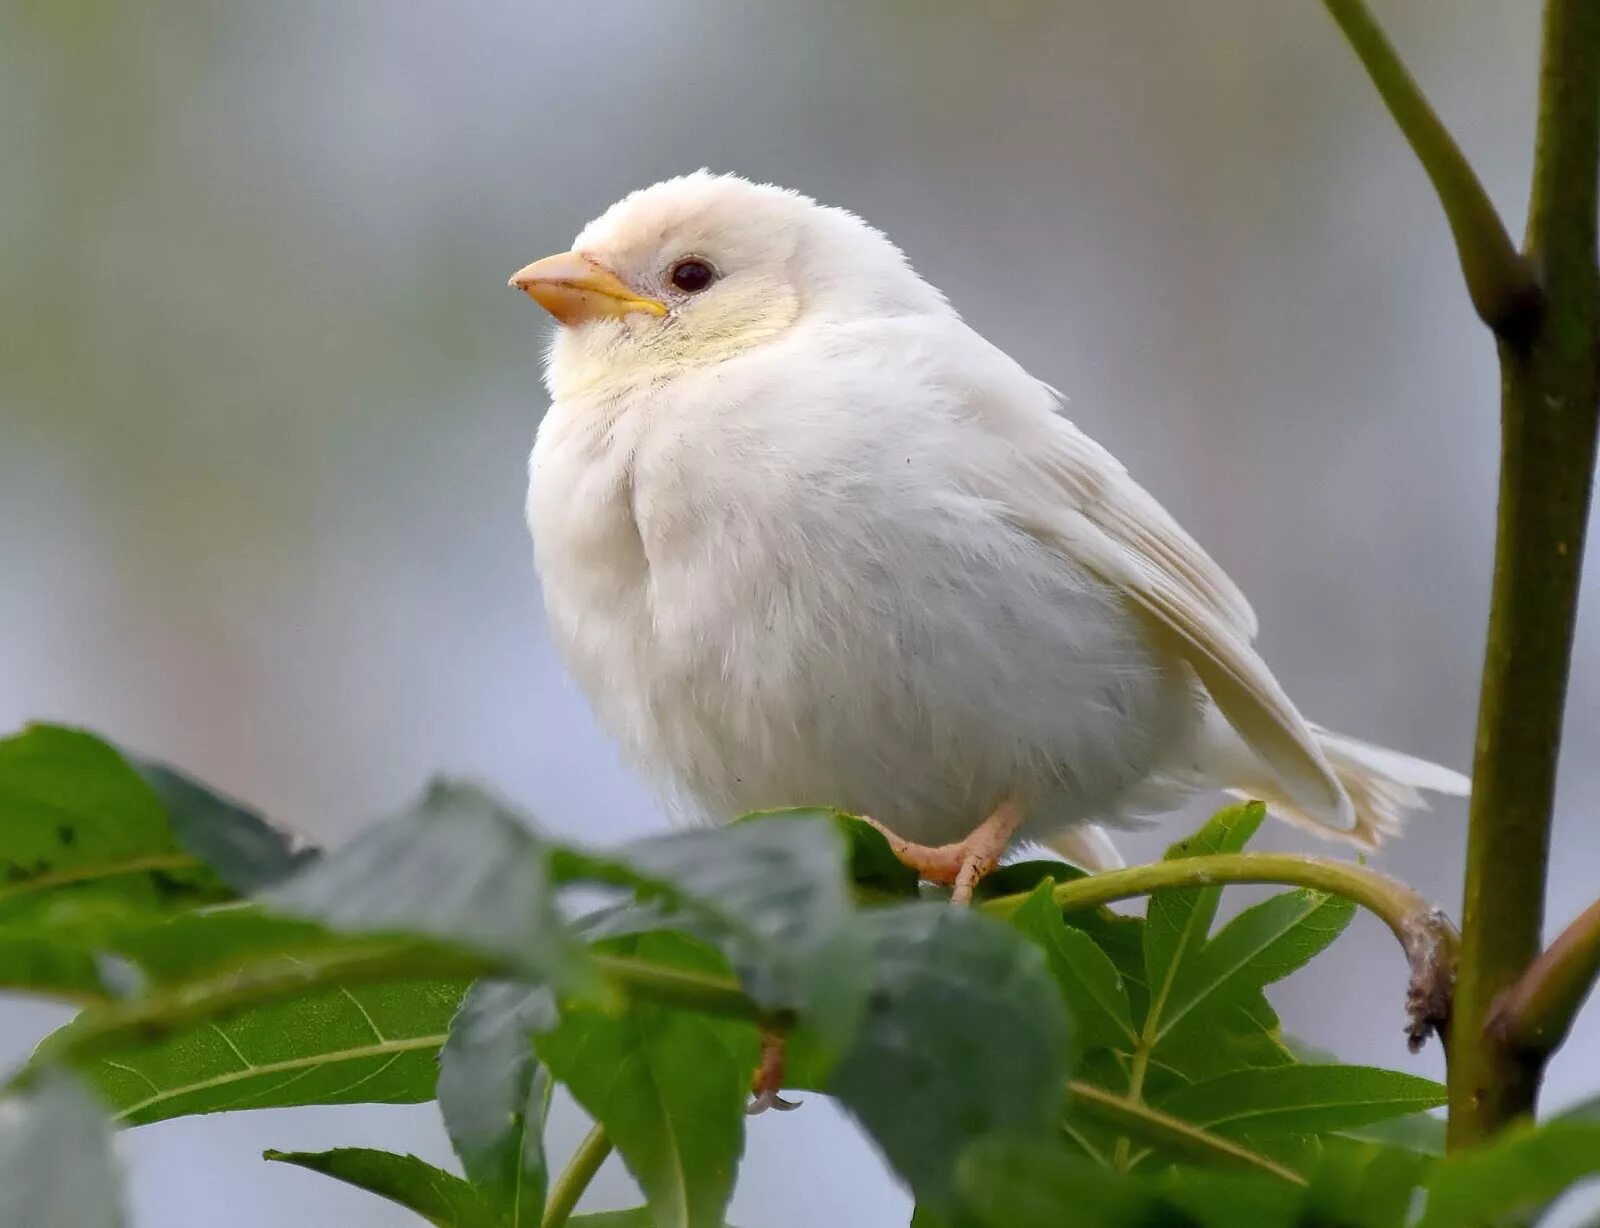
x=769, y=1077
x=961, y=865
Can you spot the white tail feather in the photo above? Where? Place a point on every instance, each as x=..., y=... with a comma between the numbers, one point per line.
x=1382, y=785
x=1087, y=846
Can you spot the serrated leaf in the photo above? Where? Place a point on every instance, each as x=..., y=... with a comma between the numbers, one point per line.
x=1089, y=982
x=441, y=1198
x=1121, y=937
x=243, y=848
x=670, y=1088
x=1177, y=922
x=362, y=1044
x=457, y=866
x=1301, y=1099
x=1516, y=1174
x=1174, y=1137
x=56, y=1168
x=1263, y=944
x=493, y=1094
x=964, y=1037
x=1238, y=1035
x=75, y=817
x=769, y=891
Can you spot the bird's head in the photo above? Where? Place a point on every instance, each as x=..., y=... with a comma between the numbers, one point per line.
x=698, y=269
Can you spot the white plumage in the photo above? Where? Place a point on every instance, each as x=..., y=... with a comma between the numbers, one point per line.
x=806, y=538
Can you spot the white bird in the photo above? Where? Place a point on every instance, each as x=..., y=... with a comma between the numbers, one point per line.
x=806, y=538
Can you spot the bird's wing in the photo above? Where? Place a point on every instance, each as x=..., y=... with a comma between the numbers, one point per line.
x=1073, y=495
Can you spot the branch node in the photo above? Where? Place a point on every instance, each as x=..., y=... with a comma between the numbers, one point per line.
x=1430, y=944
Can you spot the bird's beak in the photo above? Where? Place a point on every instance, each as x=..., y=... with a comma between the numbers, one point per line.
x=575, y=289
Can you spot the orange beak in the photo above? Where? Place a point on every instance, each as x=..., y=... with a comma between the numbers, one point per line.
x=576, y=289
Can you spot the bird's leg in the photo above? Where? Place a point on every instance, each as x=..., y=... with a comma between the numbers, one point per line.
x=769, y=1076
x=960, y=865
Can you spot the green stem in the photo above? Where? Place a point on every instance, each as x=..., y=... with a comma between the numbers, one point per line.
x=710, y=995
x=1548, y=402
x=121, y=1025
x=1536, y=1013
x=100, y=870
x=1154, y=1126
x=1424, y=933
x=1502, y=285
x=138, y=1021
x=585, y=1163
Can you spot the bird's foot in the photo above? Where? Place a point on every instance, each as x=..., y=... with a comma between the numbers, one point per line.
x=962, y=865
x=769, y=1077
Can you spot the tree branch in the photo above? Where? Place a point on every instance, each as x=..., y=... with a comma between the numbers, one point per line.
x=1424, y=933
x=1536, y=1013
x=1548, y=402
x=1503, y=286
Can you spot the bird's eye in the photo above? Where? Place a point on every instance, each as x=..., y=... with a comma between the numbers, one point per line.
x=692, y=275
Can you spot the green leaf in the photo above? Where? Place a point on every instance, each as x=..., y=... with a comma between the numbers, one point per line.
x=670, y=1088
x=1301, y=1099
x=56, y=1168
x=770, y=892
x=873, y=865
x=1019, y=877
x=74, y=816
x=95, y=946
x=635, y=1217
x=1263, y=944
x=1359, y=1187
x=1173, y=1136
x=45, y=963
x=361, y=1044
x=1419, y=1133
x=246, y=851
x=1177, y=922
x=1009, y=1186
x=1089, y=982
x=1362, y=1185
x=493, y=1094
x=456, y=866
x=964, y=1037
x=439, y=1197
x=1121, y=937
x=1516, y=1174
x=172, y=947
x=1243, y=1035
x=1228, y=1028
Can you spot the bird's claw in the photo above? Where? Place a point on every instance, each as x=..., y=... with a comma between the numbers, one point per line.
x=768, y=1098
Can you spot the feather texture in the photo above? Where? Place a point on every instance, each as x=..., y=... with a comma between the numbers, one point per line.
x=807, y=538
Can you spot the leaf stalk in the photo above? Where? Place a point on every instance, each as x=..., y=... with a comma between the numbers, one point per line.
x=1425, y=934
x=580, y=1171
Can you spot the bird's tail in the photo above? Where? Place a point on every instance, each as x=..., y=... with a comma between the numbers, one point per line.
x=1382, y=786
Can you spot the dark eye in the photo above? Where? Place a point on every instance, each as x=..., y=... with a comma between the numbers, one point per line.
x=692, y=275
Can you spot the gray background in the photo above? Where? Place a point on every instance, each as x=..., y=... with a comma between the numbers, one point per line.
x=265, y=400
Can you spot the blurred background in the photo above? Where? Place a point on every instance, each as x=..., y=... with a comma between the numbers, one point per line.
x=265, y=400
